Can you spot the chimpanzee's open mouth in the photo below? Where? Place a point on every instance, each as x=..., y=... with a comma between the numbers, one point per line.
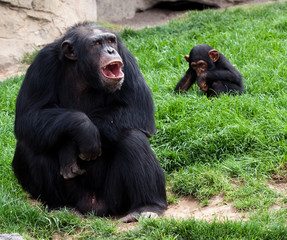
x=113, y=71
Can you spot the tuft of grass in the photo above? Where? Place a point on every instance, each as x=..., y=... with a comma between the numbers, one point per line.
x=28, y=58
x=252, y=195
x=200, y=181
x=261, y=228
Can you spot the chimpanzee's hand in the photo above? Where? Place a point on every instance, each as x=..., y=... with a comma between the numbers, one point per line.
x=201, y=82
x=88, y=140
x=68, y=160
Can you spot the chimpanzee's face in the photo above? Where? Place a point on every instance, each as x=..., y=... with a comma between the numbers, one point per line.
x=199, y=67
x=96, y=52
x=103, y=51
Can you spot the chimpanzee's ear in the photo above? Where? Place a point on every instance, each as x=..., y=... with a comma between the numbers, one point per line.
x=68, y=50
x=186, y=58
x=214, y=55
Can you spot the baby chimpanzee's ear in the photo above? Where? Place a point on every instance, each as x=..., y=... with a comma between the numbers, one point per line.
x=214, y=55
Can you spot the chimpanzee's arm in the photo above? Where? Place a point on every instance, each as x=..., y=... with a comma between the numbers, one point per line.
x=222, y=75
x=186, y=81
x=46, y=128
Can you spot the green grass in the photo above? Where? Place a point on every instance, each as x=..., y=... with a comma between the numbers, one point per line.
x=229, y=145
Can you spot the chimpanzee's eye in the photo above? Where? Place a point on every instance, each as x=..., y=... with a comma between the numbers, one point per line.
x=111, y=40
x=97, y=42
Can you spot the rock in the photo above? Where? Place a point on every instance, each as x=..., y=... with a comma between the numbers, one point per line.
x=13, y=236
x=30, y=24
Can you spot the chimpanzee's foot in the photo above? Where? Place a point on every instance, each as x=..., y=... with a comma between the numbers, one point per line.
x=134, y=216
x=71, y=170
x=151, y=211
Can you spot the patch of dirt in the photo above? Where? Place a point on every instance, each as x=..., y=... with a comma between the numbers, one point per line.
x=280, y=187
x=191, y=208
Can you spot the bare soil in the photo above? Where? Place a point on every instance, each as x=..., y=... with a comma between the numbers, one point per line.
x=218, y=208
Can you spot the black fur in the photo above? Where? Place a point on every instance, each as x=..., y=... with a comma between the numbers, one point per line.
x=221, y=76
x=63, y=110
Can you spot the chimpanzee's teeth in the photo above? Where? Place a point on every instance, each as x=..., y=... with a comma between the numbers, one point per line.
x=112, y=74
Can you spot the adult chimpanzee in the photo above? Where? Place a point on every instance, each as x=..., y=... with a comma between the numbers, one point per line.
x=212, y=71
x=83, y=117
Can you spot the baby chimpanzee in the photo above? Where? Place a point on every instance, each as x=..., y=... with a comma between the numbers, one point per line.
x=212, y=71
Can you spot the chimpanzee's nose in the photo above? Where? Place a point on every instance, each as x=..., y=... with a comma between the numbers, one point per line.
x=111, y=50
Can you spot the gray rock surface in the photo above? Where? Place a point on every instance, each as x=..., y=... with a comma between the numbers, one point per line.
x=13, y=236
x=28, y=24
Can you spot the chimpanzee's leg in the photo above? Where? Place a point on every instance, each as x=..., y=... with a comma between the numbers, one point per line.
x=135, y=183
x=39, y=174
x=220, y=87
